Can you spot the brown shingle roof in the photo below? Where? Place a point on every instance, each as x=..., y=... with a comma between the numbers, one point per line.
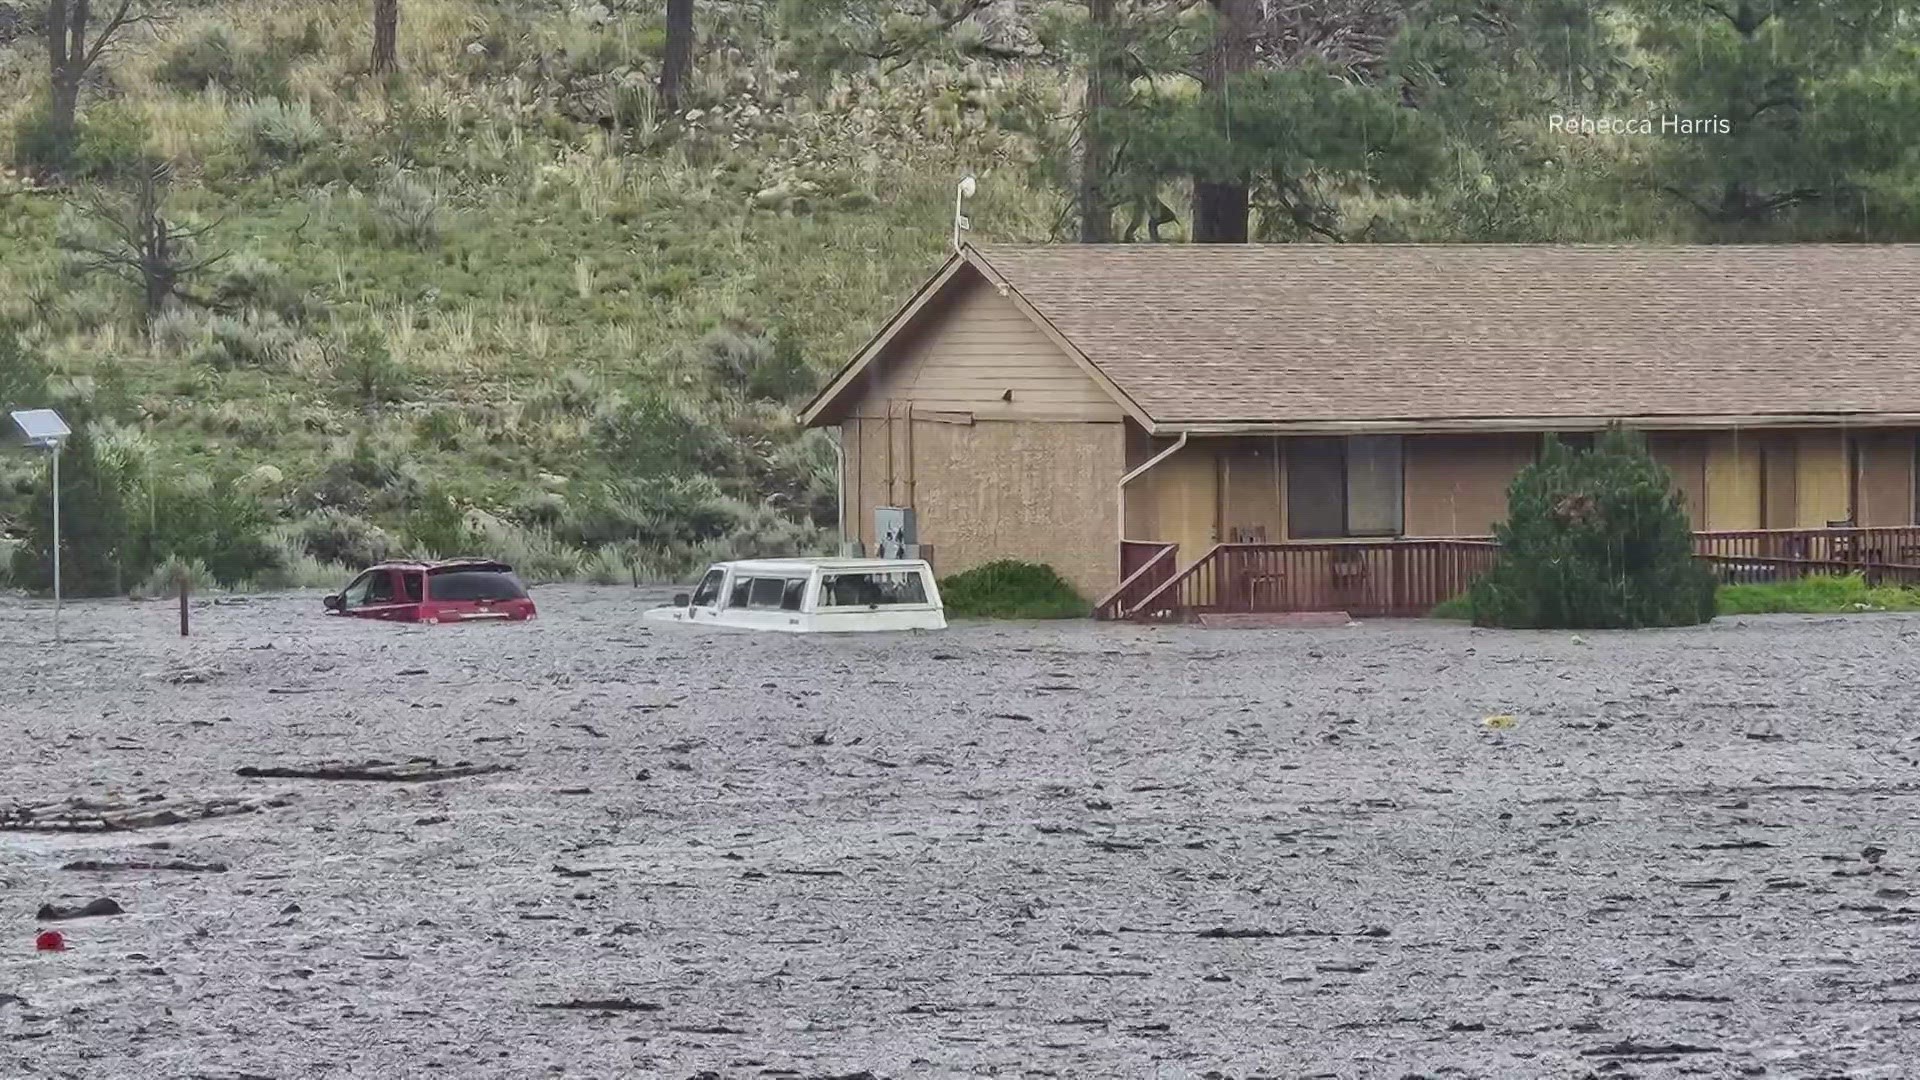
x=1319, y=332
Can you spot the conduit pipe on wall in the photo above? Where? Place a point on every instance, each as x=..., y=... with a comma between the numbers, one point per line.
x=1145, y=466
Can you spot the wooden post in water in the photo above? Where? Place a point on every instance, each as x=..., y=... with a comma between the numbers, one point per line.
x=184, y=579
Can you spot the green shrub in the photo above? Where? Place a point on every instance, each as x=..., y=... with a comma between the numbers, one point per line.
x=244, y=342
x=1459, y=607
x=335, y=536
x=370, y=374
x=1009, y=589
x=164, y=580
x=273, y=131
x=211, y=523
x=1595, y=539
x=110, y=140
x=406, y=212
x=756, y=366
x=656, y=511
x=656, y=436
x=248, y=281
x=99, y=549
x=437, y=526
x=213, y=58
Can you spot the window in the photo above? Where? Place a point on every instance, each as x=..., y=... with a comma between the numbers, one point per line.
x=742, y=588
x=413, y=583
x=886, y=588
x=355, y=595
x=792, y=595
x=476, y=585
x=708, y=594
x=380, y=590
x=1344, y=487
x=766, y=593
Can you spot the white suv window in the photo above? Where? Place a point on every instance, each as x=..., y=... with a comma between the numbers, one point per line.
x=708, y=594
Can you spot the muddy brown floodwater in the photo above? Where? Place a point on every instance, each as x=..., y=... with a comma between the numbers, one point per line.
x=1075, y=850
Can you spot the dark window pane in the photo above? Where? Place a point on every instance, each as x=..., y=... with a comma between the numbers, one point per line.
x=1316, y=488
x=1373, y=485
x=708, y=594
x=414, y=584
x=742, y=588
x=873, y=590
x=475, y=585
x=381, y=590
x=766, y=593
x=795, y=591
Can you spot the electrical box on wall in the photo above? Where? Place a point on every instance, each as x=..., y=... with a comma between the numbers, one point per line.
x=895, y=531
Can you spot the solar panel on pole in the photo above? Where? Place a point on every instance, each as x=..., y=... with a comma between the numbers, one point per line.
x=45, y=429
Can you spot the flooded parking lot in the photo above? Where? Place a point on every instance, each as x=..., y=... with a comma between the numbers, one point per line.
x=1072, y=850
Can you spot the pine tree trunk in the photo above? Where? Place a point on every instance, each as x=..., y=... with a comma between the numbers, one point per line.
x=1220, y=204
x=1096, y=215
x=64, y=60
x=386, y=36
x=678, y=63
x=1220, y=213
x=63, y=104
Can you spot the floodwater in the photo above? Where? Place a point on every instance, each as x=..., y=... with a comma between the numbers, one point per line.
x=1073, y=851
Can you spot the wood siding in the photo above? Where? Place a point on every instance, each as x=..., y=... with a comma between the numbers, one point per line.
x=1456, y=485
x=980, y=355
x=1733, y=481
x=1883, y=461
x=1253, y=493
x=1823, y=491
x=1177, y=501
x=1685, y=458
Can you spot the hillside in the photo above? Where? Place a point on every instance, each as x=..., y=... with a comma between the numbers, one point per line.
x=500, y=280
x=503, y=300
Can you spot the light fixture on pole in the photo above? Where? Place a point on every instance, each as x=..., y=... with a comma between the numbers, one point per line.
x=43, y=428
x=962, y=223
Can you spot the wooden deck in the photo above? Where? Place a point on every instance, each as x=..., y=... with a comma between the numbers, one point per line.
x=1409, y=577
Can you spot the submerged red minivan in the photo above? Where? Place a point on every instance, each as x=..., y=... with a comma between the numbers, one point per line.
x=460, y=590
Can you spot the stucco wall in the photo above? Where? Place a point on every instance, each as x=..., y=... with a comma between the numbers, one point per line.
x=1034, y=490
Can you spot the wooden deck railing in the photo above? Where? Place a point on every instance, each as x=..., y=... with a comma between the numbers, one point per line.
x=1144, y=567
x=1386, y=577
x=1408, y=577
x=1858, y=546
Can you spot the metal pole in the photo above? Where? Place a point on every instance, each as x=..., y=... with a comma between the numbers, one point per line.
x=56, y=541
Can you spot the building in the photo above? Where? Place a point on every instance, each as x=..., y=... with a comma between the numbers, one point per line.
x=1048, y=403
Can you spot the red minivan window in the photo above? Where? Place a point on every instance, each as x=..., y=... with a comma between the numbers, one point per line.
x=470, y=585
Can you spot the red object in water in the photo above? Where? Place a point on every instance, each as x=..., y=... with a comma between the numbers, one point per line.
x=50, y=941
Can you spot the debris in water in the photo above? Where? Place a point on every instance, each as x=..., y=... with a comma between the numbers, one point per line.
x=93, y=910
x=412, y=771
x=97, y=866
x=602, y=1005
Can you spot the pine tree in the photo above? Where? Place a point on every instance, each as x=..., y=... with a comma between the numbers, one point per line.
x=1595, y=539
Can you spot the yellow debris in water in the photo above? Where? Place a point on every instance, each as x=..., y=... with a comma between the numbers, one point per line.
x=1499, y=721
